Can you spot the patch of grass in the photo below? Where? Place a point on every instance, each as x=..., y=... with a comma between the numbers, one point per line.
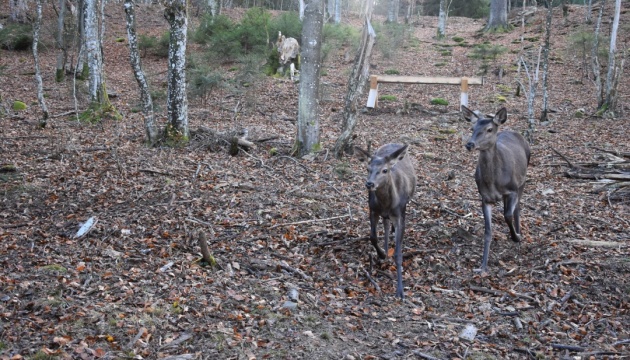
x=395, y=33
x=387, y=98
x=19, y=106
x=325, y=336
x=342, y=169
x=439, y=101
x=392, y=72
x=446, y=53
x=440, y=64
x=458, y=39
x=41, y=355
x=532, y=39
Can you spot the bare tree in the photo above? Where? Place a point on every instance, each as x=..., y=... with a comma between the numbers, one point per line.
x=498, y=16
x=356, y=84
x=441, y=30
x=589, y=9
x=595, y=58
x=61, y=54
x=150, y=126
x=308, y=110
x=177, y=101
x=38, y=76
x=545, y=62
x=612, y=52
x=94, y=53
x=17, y=10
x=392, y=11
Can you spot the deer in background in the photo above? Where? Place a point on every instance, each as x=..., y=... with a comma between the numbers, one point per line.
x=501, y=172
x=289, y=50
x=391, y=183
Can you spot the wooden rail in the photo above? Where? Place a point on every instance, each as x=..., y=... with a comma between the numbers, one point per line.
x=393, y=79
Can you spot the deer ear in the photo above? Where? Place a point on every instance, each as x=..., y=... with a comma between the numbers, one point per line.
x=399, y=154
x=500, y=117
x=469, y=115
x=362, y=154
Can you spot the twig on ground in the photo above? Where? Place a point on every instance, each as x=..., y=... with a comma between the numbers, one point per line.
x=309, y=221
x=367, y=275
x=563, y=157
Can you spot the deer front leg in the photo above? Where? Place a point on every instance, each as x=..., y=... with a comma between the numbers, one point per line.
x=399, y=230
x=373, y=235
x=487, y=236
x=386, y=226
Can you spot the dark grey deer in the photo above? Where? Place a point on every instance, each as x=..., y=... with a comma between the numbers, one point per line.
x=500, y=174
x=391, y=183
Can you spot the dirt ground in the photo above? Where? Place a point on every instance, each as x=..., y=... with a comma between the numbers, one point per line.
x=134, y=286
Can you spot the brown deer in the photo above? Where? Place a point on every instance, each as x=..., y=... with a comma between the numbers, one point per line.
x=391, y=183
x=501, y=172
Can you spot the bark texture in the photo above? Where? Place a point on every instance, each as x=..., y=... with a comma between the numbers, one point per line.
x=612, y=52
x=177, y=101
x=94, y=53
x=545, y=63
x=150, y=127
x=392, y=11
x=308, y=110
x=38, y=76
x=498, y=15
x=441, y=31
x=356, y=84
x=61, y=48
x=595, y=57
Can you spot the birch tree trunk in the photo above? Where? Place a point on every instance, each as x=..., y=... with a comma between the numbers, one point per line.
x=61, y=47
x=38, y=76
x=177, y=101
x=308, y=108
x=595, y=57
x=150, y=127
x=356, y=84
x=337, y=11
x=441, y=30
x=301, y=9
x=93, y=48
x=612, y=52
x=545, y=63
x=589, y=9
x=330, y=9
x=498, y=16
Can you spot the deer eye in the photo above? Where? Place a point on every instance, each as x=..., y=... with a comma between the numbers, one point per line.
x=384, y=171
x=490, y=130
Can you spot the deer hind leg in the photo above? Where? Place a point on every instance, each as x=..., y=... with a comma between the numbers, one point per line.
x=517, y=211
x=510, y=206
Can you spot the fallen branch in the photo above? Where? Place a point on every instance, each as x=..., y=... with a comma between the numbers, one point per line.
x=309, y=221
x=374, y=283
x=568, y=347
x=502, y=293
x=598, y=176
x=563, y=157
x=286, y=266
x=424, y=356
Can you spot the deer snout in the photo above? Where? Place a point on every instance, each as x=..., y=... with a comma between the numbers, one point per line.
x=470, y=146
x=369, y=185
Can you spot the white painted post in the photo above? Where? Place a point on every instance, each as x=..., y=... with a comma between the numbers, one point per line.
x=373, y=95
x=464, y=97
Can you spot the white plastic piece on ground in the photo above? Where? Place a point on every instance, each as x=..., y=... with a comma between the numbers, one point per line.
x=86, y=227
x=469, y=332
x=167, y=266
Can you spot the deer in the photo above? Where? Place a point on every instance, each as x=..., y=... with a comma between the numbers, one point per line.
x=501, y=172
x=391, y=183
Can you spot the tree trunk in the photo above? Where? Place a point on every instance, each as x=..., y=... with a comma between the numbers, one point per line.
x=17, y=11
x=177, y=101
x=358, y=78
x=392, y=11
x=150, y=127
x=589, y=9
x=441, y=30
x=330, y=9
x=337, y=11
x=38, y=76
x=612, y=52
x=61, y=47
x=498, y=16
x=301, y=9
x=93, y=48
x=308, y=108
x=545, y=63
x=595, y=57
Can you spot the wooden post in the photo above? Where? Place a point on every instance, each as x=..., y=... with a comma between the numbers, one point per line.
x=464, y=97
x=373, y=94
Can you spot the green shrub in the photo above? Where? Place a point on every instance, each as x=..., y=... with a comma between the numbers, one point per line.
x=203, y=81
x=458, y=39
x=392, y=72
x=16, y=37
x=210, y=26
x=338, y=36
x=387, y=98
x=289, y=24
x=487, y=52
x=254, y=30
x=466, y=8
x=393, y=36
x=439, y=101
x=146, y=43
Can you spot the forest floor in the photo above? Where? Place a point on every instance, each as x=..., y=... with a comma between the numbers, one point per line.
x=133, y=286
